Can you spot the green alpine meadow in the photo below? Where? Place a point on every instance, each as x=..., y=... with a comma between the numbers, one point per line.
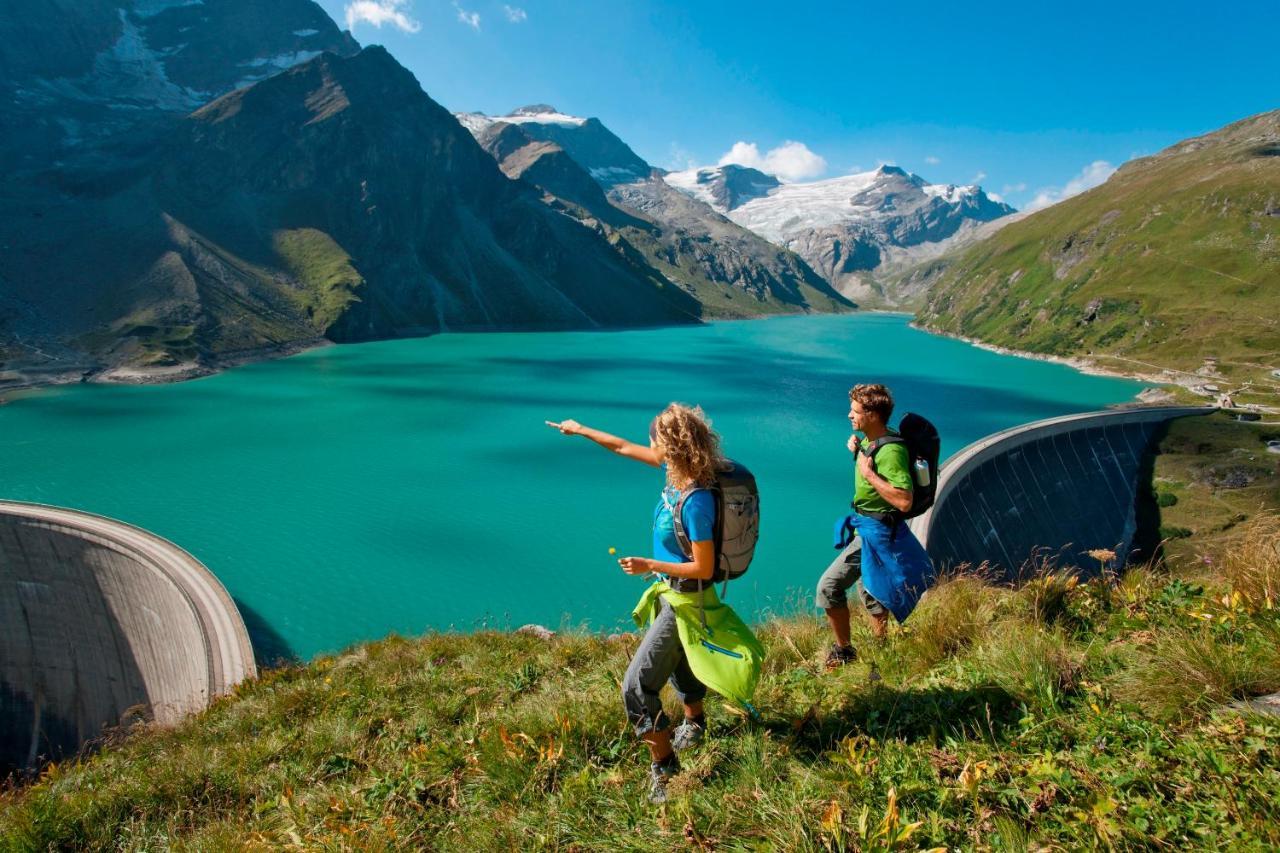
x=1063, y=715
x=1172, y=261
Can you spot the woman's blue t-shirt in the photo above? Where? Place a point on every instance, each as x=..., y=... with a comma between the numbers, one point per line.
x=698, y=515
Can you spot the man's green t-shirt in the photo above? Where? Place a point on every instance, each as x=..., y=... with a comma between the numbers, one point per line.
x=893, y=464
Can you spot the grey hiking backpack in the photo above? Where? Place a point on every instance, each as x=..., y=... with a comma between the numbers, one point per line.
x=737, y=527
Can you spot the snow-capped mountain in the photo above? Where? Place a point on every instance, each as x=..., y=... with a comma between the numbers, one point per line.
x=724, y=187
x=589, y=173
x=331, y=200
x=592, y=145
x=850, y=229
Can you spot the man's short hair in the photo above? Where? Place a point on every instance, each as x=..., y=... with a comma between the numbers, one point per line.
x=873, y=398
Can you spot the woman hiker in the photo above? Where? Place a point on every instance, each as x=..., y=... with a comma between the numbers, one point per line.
x=682, y=443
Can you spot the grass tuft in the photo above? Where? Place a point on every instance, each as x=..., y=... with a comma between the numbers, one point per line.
x=1186, y=673
x=1252, y=568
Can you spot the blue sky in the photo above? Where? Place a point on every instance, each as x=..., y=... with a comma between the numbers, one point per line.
x=1032, y=100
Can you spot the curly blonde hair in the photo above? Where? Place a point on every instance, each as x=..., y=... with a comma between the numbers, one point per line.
x=689, y=445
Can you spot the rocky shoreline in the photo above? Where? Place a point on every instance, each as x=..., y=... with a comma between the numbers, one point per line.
x=16, y=383
x=1089, y=365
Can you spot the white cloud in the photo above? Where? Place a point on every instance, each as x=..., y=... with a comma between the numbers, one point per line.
x=932, y=161
x=996, y=197
x=471, y=19
x=1019, y=187
x=1090, y=176
x=979, y=178
x=379, y=12
x=790, y=161
x=515, y=14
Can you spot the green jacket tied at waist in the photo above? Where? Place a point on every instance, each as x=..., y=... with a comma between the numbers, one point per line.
x=722, y=651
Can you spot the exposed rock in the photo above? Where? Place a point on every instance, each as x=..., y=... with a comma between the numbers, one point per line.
x=1269, y=704
x=688, y=242
x=859, y=231
x=536, y=631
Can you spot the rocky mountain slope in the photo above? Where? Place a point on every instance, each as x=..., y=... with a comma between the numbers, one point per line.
x=593, y=175
x=856, y=231
x=333, y=200
x=1174, y=259
x=74, y=74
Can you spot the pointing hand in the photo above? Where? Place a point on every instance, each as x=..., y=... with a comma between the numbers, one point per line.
x=566, y=427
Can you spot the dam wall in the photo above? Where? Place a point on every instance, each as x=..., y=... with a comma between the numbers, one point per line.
x=101, y=624
x=1056, y=488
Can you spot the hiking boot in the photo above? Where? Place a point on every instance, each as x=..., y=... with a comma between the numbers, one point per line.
x=688, y=734
x=841, y=655
x=660, y=773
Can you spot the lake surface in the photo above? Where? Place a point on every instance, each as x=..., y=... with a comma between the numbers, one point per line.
x=410, y=485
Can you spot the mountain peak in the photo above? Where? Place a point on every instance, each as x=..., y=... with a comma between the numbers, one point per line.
x=535, y=110
x=586, y=140
x=886, y=169
x=723, y=187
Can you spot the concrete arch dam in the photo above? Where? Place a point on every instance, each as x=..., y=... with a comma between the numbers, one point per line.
x=1058, y=488
x=101, y=623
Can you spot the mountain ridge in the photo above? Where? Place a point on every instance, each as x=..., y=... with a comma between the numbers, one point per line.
x=334, y=200
x=857, y=230
x=1174, y=259
x=688, y=242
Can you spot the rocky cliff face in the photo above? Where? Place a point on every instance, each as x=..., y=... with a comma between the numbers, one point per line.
x=77, y=74
x=855, y=231
x=731, y=271
x=355, y=150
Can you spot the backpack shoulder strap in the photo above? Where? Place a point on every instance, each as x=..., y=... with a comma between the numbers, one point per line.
x=873, y=447
x=677, y=518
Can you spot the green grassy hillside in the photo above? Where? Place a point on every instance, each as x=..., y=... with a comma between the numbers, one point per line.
x=1175, y=258
x=1060, y=716
x=1211, y=476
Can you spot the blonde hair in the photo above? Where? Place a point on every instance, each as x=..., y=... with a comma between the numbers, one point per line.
x=689, y=445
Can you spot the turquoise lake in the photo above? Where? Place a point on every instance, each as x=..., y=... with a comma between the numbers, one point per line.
x=412, y=485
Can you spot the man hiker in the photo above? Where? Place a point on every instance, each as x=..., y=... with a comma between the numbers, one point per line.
x=883, y=559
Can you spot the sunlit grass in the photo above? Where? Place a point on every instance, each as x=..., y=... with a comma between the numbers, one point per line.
x=1062, y=714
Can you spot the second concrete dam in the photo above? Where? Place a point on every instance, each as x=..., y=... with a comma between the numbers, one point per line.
x=1055, y=489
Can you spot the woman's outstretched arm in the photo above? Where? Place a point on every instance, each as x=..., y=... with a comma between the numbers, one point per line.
x=622, y=447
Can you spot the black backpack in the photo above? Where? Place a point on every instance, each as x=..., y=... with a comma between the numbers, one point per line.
x=923, y=446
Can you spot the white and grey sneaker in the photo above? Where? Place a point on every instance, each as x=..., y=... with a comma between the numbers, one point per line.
x=660, y=773
x=688, y=734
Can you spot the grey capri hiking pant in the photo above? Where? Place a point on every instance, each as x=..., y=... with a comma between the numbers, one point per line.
x=845, y=572
x=660, y=657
